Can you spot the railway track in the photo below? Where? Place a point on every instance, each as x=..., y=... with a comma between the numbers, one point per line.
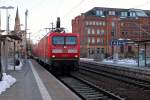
x=88, y=91
x=130, y=80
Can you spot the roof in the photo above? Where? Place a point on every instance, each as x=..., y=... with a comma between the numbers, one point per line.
x=139, y=12
x=15, y=37
x=143, y=41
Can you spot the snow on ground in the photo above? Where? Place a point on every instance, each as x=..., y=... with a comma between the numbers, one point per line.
x=86, y=59
x=11, y=67
x=122, y=61
x=111, y=61
x=6, y=82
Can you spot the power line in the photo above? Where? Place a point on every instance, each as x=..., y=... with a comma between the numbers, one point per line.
x=72, y=9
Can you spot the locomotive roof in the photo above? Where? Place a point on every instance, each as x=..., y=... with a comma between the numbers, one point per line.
x=64, y=34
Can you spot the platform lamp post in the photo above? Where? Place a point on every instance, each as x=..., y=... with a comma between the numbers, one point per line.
x=7, y=16
x=25, y=46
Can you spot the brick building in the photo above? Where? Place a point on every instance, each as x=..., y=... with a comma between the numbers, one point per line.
x=101, y=27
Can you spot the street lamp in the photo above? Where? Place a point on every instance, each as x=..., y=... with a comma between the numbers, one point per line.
x=7, y=17
x=26, y=15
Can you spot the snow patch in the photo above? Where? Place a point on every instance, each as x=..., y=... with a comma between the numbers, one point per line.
x=19, y=67
x=6, y=82
x=111, y=61
x=122, y=61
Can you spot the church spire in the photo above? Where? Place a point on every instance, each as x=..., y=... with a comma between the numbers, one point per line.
x=17, y=22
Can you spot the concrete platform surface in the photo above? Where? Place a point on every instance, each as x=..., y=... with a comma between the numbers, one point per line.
x=35, y=83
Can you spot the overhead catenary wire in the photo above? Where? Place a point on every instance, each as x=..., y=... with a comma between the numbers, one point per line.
x=73, y=8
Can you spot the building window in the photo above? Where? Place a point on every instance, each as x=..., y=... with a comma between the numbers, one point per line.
x=132, y=14
x=129, y=49
x=93, y=22
x=88, y=30
x=103, y=23
x=92, y=51
x=99, y=12
x=124, y=14
x=100, y=23
x=122, y=24
x=102, y=32
x=103, y=50
x=98, y=50
x=97, y=23
x=122, y=49
x=98, y=40
x=86, y=23
x=98, y=31
x=111, y=12
x=90, y=22
x=113, y=24
x=102, y=41
x=93, y=31
x=93, y=40
x=89, y=40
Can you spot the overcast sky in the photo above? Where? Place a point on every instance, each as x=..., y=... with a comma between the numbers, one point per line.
x=43, y=12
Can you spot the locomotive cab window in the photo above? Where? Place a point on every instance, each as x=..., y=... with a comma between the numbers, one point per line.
x=58, y=40
x=67, y=40
x=70, y=40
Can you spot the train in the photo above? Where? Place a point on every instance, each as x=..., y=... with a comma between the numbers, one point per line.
x=59, y=50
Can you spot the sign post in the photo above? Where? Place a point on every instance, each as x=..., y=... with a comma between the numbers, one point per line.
x=116, y=43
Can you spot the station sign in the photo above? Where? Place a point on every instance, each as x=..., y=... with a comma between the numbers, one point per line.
x=118, y=42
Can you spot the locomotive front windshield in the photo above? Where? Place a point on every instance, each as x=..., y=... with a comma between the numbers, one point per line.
x=71, y=40
x=64, y=40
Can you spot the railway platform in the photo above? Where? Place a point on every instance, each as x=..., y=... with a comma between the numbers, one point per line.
x=123, y=66
x=35, y=83
x=129, y=70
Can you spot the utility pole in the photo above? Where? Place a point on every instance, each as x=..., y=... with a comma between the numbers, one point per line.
x=25, y=38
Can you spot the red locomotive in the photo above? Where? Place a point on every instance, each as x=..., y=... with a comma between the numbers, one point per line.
x=60, y=50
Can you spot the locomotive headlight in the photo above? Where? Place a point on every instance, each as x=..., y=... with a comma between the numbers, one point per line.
x=76, y=56
x=57, y=51
x=72, y=50
x=53, y=56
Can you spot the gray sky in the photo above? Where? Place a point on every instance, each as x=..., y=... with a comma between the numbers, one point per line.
x=43, y=12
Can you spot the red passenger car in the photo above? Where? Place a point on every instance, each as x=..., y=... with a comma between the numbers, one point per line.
x=60, y=50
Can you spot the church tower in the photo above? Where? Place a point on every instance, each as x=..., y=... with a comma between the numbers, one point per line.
x=17, y=27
